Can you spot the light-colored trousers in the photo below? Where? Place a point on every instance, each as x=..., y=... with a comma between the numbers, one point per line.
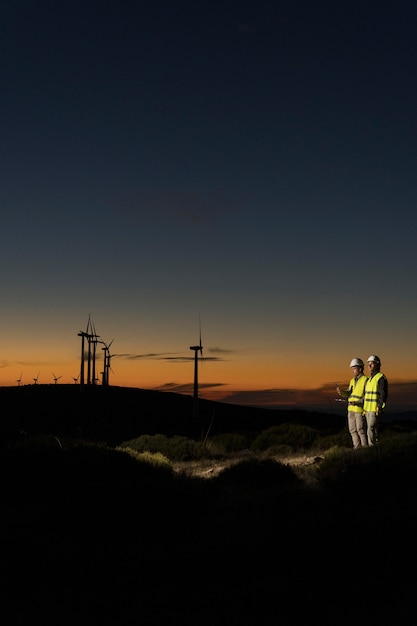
x=372, y=430
x=357, y=429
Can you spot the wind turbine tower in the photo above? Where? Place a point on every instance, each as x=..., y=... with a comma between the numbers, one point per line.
x=83, y=335
x=92, y=338
x=197, y=349
x=106, y=366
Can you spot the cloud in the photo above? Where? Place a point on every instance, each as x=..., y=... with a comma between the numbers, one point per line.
x=148, y=355
x=190, y=207
x=167, y=356
x=186, y=388
x=221, y=351
x=402, y=397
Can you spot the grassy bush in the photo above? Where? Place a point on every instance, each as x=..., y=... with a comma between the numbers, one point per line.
x=281, y=450
x=293, y=436
x=227, y=443
x=153, y=458
x=125, y=526
x=339, y=440
x=175, y=448
x=257, y=472
x=385, y=471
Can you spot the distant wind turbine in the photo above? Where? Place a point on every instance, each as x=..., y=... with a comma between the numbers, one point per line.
x=19, y=380
x=56, y=378
x=93, y=339
x=197, y=349
x=90, y=335
x=83, y=335
x=36, y=379
x=107, y=359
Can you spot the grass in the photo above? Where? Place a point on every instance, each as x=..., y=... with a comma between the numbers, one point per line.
x=95, y=534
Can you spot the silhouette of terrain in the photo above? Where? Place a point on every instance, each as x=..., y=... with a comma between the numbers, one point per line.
x=116, y=414
x=91, y=536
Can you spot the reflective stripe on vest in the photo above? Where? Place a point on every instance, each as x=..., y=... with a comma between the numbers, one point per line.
x=356, y=395
x=371, y=393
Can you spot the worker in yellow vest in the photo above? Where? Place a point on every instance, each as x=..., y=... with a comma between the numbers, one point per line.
x=376, y=394
x=354, y=395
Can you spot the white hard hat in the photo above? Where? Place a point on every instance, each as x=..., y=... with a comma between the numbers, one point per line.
x=374, y=358
x=356, y=363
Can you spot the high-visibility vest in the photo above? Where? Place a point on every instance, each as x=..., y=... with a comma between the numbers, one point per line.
x=371, y=393
x=357, y=388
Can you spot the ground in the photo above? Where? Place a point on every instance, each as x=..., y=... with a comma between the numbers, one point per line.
x=208, y=468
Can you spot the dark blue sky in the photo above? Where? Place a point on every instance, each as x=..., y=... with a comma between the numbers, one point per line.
x=252, y=164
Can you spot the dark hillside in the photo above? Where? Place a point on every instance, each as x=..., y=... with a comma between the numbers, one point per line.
x=115, y=414
x=90, y=535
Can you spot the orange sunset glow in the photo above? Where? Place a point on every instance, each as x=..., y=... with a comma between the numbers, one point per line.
x=251, y=179
x=240, y=375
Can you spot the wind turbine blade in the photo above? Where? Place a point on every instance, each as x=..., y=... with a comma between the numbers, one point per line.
x=201, y=345
x=199, y=325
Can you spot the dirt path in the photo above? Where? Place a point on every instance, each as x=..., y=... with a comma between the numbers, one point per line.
x=208, y=468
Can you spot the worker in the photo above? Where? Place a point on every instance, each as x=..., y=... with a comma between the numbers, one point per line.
x=354, y=395
x=376, y=394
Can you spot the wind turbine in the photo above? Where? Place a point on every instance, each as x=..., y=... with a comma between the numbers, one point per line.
x=56, y=378
x=93, y=339
x=83, y=335
x=90, y=335
x=75, y=379
x=19, y=380
x=36, y=379
x=197, y=349
x=106, y=366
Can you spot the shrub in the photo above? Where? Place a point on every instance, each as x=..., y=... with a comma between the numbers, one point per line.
x=258, y=473
x=153, y=458
x=175, y=448
x=339, y=440
x=227, y=443
x=295, y=436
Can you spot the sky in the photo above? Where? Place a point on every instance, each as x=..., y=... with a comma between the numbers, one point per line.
x=246, y=170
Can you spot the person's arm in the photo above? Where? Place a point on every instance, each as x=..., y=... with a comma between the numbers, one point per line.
x=345, y=393
x=382, y=393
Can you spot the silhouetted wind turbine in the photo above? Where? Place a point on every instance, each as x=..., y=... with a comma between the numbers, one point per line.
x=106, y=366
x=56, y=378
x=90, y=335
x=93, y=339
x=19, y=380
x=75, y=379
x=36, y=379
x=197, y=349
x=83, y=335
